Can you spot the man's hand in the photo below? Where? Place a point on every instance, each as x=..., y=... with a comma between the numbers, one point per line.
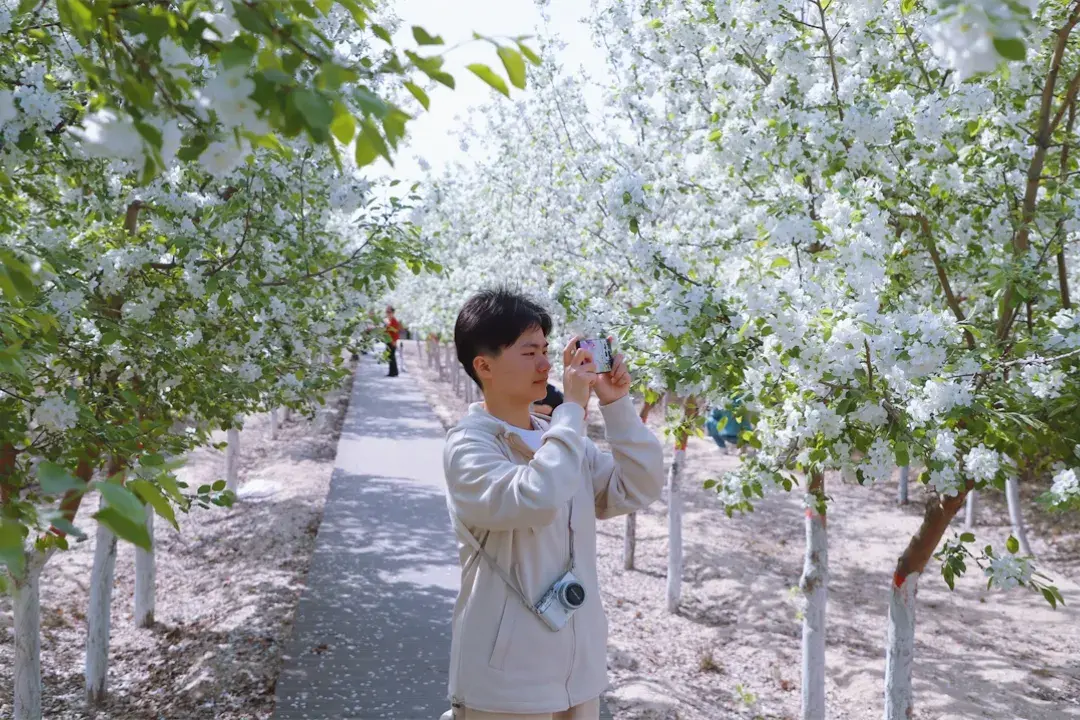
x=616, y=384
x=579, y=373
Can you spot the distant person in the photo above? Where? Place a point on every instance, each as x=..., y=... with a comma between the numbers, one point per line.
x=393, y=330
x=552, y=400
x=529, y=634
x=723, y=428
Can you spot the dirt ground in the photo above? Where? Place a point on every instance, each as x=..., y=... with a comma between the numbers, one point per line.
x=734, y=648
x=227, y=588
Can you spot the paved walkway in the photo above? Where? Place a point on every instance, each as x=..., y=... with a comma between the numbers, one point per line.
x=372, y=634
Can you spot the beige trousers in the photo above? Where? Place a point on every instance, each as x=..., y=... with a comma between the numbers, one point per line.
x=585, y=711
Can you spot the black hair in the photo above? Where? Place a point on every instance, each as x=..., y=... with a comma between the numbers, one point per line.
x=493, y=320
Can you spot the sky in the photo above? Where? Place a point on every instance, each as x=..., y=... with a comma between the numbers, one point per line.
x=456, y=21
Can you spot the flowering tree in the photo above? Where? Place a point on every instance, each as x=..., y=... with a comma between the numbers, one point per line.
x=187, y=238
x=816, y=208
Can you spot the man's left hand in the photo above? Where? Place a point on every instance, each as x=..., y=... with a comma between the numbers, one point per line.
x=614, y=385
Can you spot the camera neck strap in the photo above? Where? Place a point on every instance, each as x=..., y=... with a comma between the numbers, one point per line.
x=471, y=539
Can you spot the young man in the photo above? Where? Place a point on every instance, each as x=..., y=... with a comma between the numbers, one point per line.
x=393, y=330
x=524, y=495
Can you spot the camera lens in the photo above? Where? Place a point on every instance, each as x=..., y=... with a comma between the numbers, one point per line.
x=572, y=594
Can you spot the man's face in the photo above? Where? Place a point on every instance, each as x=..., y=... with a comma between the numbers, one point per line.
x=520, y=372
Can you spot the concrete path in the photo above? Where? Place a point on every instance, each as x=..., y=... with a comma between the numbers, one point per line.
x=372, y=633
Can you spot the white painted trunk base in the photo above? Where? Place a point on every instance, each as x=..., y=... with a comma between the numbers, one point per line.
x=26, y=599
x=274, y=423
x=900, y=651
x=98, y=617
x=629, y=542
x=1016, y=515
x=815, y=587
x=969, y=510
x=232, y=460
x=675, y=549
x=145, y=577
x=902, y=490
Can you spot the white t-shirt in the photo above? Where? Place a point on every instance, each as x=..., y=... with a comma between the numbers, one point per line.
x=533, y=438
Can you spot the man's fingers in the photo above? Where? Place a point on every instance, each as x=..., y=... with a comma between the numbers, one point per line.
x=570, y=349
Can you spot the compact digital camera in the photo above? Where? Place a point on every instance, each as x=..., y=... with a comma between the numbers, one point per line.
x=561, y=601
x=601, y=350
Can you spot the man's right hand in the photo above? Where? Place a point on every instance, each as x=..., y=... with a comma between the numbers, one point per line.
x=579, y=373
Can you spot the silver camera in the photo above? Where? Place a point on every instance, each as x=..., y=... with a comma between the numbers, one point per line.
x=561, y=601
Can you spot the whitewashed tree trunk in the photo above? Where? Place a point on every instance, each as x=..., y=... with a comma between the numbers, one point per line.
x=26, y=599
x=675, y=554
x=274, y=423
x=98, y=615
x=449, y=361
x=900, y=652
x=815, y=588
x=902, y=491
x=232, y=460
x=1016, y=514
x=629, y=542
x=286, y=414
x=969, y=510
x=145, y=577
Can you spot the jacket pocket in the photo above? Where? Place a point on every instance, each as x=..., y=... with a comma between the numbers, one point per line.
x=505, y=633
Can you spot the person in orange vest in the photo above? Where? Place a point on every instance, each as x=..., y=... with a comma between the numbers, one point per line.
x=393, y=329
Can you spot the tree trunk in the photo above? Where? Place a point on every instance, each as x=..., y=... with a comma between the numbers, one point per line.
x=232, y=460
x=902, y=491
x=969, y=510
x=26, y=599
x=815, y=588
x=675, y=554
x=1016, y=513
x=145, y=576
x=900, y=653
x=98, y=616
x=629, y=542
x=274, y=423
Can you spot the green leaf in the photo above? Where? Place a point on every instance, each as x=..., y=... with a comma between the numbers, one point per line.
x=344, y=126
x=316, y=109
x=515, y=66
x=122, y=500
x=903, y=457
x=906, y=6
x=1010, y=48
x=488, y=75
x=947, y=573
x=1012, y=545
x=154, y=497
x=124, y=527
x=369, y=145
x=419, y=94
x=529, y=53
x=56, y=480
x=423, y=38
x=11, y=546
x=967, y=537
x=382, y=34
x=237, y=53
x=780, y=262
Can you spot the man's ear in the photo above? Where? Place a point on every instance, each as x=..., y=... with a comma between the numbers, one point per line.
x=482, y=367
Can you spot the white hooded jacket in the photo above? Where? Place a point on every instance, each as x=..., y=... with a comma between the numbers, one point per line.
x=517, y=505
